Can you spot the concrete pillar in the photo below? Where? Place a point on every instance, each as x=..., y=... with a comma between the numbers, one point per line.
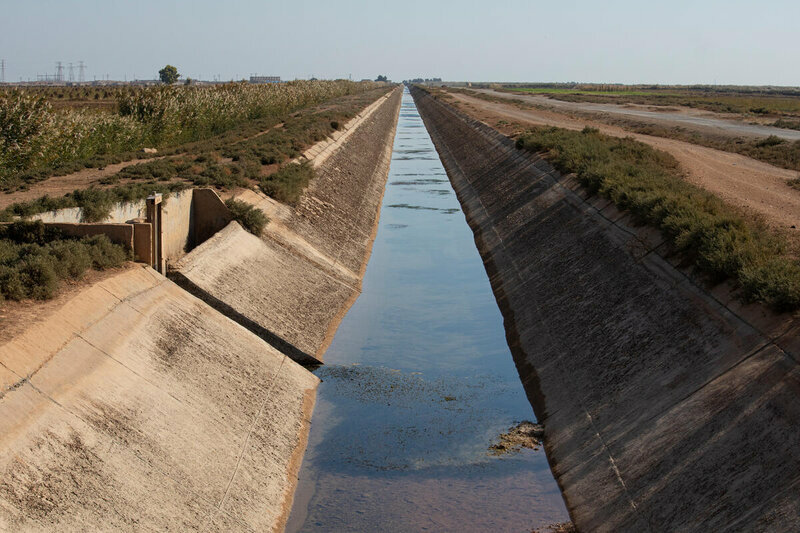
x=154, y=217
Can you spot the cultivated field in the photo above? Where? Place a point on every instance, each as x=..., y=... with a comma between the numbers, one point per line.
x=87, y=155
x=781, y=105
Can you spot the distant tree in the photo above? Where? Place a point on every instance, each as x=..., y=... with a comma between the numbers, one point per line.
x=187, y=81
x=381, y=78
x=169, y=75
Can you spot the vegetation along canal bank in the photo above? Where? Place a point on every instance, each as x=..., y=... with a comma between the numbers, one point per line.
x=648, y=378
x=418, y=384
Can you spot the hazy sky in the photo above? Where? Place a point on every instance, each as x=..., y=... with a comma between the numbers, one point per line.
x=755, y=42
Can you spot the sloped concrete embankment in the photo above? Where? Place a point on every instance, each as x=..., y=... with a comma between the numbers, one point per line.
x=293, y=286
x=666, y=407
x=137, y=407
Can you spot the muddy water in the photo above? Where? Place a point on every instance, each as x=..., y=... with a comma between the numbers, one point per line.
x=419, y=381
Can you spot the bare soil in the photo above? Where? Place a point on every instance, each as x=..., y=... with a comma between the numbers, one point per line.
x=730, y=124
x=757, y=187
x=61, y=185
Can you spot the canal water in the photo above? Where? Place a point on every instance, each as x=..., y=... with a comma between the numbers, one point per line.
x=419, y=381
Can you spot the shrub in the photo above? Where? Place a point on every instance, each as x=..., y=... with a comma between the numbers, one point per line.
x=34, y=258
x=772, y=140
x=287, y=184
x=707, y=232
x=250, y=217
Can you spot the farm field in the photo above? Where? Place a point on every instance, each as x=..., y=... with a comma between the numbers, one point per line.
x=762, y=103
x=237, y=136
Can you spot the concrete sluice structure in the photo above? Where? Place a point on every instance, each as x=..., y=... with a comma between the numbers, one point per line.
x=666, y=406
x=137, y=406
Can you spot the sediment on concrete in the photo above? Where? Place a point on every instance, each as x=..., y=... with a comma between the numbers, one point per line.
x=667, y=405
x=136, y=407
x=293, y=285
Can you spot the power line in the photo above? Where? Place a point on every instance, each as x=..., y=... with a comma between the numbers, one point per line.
x=59, y=72
x=2, y=70
x=71, y=72
x=81, y=71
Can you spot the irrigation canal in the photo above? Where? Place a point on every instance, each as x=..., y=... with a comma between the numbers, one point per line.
x=419, y=381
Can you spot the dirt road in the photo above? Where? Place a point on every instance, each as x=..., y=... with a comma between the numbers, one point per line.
x=61, y=185
x=693, y=118
x=758, y=187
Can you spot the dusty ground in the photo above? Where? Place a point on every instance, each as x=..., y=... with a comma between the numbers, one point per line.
x=730, y=124
x=61, y=185
x=755, y=186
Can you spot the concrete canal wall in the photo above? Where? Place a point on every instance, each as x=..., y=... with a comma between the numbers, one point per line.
x=293, y=286
x=137, y=406
x=134, y=405
x=667, y=406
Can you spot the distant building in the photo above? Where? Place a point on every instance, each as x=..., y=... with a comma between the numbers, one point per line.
x=265, y=79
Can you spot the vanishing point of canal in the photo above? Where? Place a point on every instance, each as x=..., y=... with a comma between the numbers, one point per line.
x=419, y=381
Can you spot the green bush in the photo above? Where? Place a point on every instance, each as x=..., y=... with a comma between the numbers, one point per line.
x=707, y=232
x=772, y=140
x=34, y=258
x=250, y=217
x=287, y=184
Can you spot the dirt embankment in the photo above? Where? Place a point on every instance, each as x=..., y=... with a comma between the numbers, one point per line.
x=757, y=187
x=666, y=405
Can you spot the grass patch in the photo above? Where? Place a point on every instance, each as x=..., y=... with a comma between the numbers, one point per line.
x=787, y=124
x=250, y=217
x=287, y=184
x=34, y=259
x=708, y=233
x=243, y=157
